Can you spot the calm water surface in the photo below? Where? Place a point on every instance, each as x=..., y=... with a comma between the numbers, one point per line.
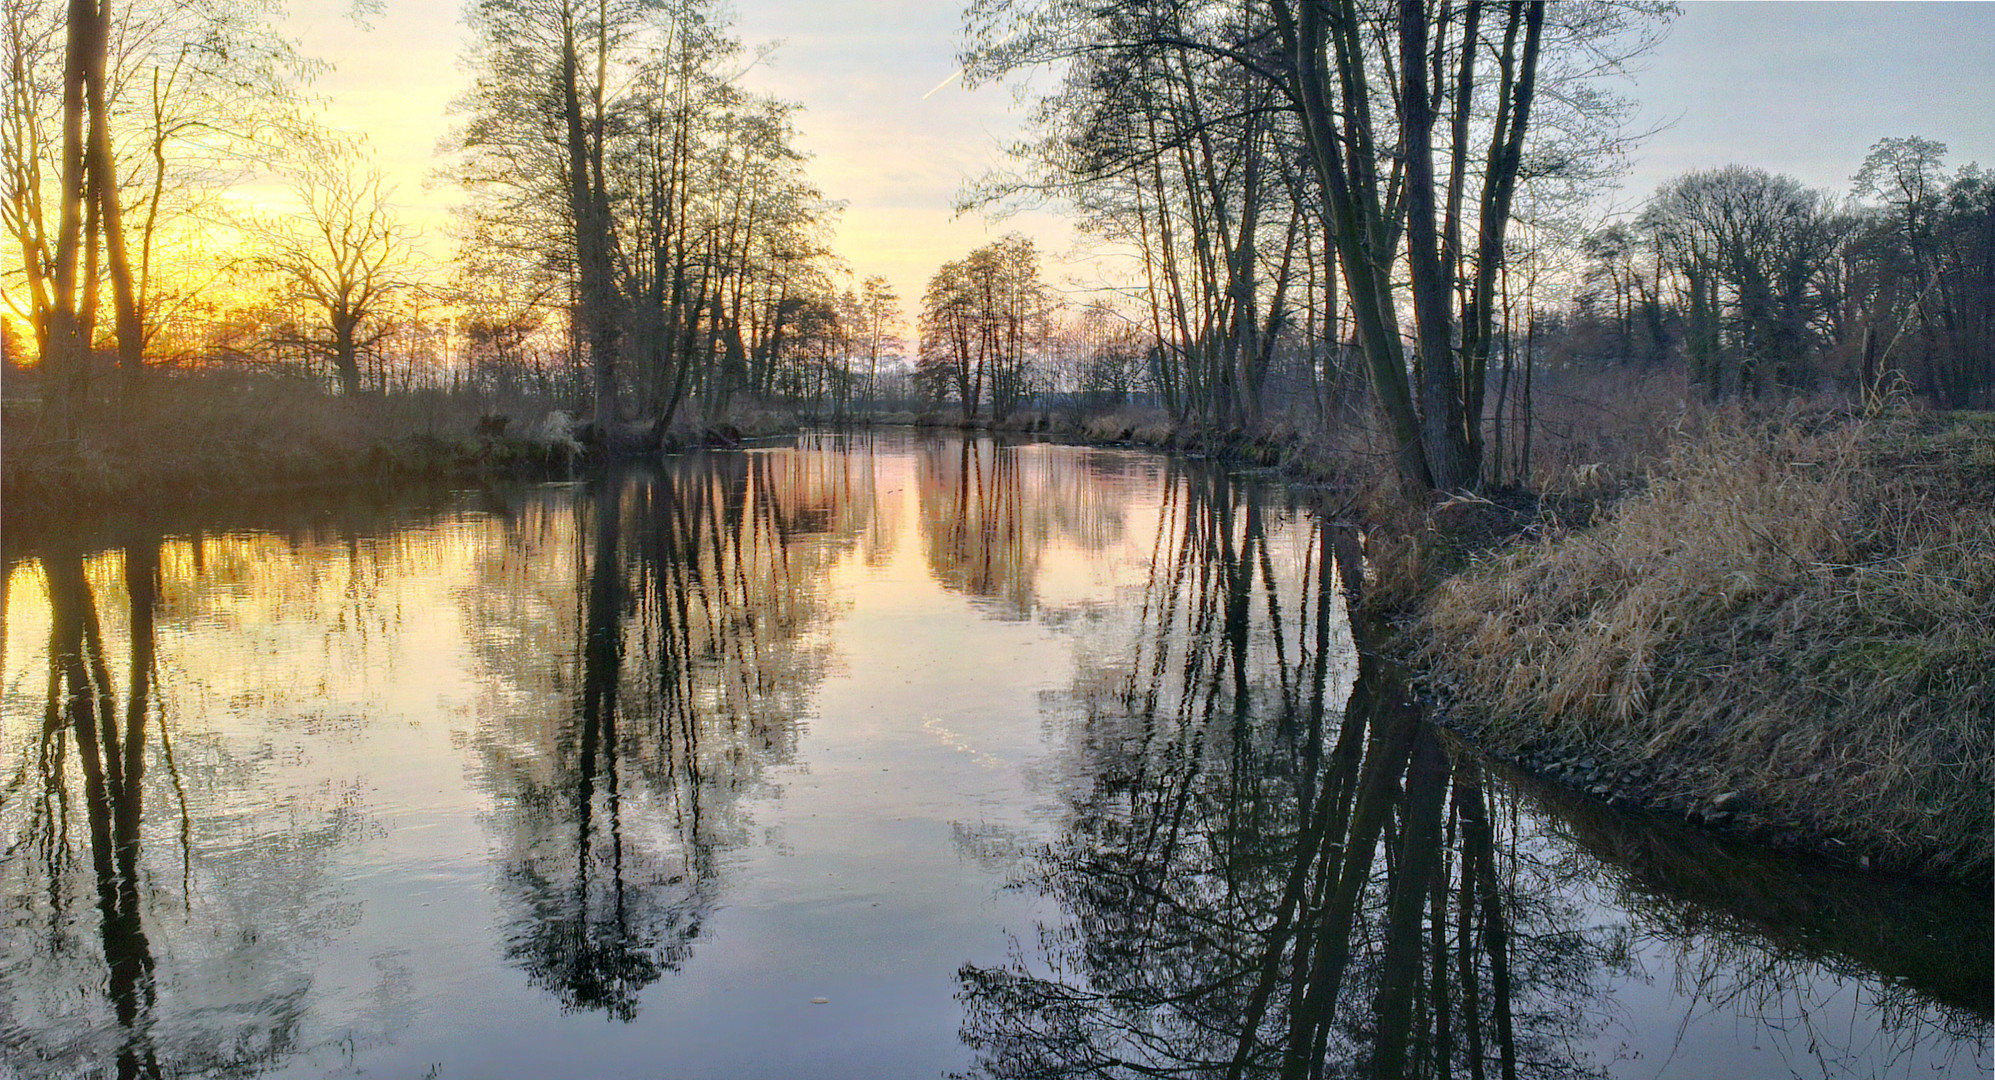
x=853, y=758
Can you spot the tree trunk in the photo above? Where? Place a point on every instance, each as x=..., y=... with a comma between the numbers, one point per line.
x=1450, y=462
x=589, y=210
x=1353, y=235
x=1516, y=90
x=103, y=193
x=346, y=356
x=68, y=353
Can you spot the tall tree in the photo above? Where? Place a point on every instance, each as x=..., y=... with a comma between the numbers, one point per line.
x=171, y=100
x=880, y=312
x=980, y=320
x=1748, y=248
x=545, y=67
x=1926, y=272
x=1164, y=142
x=1334, y=78
x=1412, y=150
x=670, y=207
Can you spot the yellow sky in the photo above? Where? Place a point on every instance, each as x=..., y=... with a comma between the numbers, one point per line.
x=1844, y=76
x=895, y=158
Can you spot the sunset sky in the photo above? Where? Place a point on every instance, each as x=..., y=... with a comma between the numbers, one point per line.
x=1797, y=88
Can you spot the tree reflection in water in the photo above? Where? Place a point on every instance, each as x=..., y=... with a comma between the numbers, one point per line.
x=1268, y=863
x=1264, y=863
x=696, y=654
x=990, y=510
x=111, y=751
x=54, y=942
x=1257, y=882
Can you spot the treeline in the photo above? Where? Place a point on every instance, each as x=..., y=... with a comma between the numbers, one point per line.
x=1758, y=284
x=624, y=179
x=170, y=201
x=117, y=132
x=642, y=238
x=1374, y=205
x=981, y=318
x=1314, y=191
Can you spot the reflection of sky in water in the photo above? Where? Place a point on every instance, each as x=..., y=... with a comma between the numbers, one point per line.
x=1707, y=991
x=375, y=737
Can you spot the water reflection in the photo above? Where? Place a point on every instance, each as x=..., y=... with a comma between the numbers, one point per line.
x=1270, y=864
x=617, y=781
x=683, y=747
x=112, y=756
x=84, y=973
x=990, y=510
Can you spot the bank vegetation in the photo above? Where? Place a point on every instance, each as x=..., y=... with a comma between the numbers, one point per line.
x=1790, y=629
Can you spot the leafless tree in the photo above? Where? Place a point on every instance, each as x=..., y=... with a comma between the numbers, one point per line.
x=344, y=256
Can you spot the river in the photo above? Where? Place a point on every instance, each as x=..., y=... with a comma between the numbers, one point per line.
x=894, y=756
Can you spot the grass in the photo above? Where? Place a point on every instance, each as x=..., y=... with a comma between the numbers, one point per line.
x=1795, y=614
x=193, y=436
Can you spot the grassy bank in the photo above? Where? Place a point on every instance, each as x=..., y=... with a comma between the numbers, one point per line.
x=1790, y=631
x=192, y=437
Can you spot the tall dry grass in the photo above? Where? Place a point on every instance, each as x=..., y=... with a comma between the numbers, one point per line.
x=1595, y=430
x=1800, y=610
x=194, y=434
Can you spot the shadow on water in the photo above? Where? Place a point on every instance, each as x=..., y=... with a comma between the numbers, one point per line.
x=1270, y=864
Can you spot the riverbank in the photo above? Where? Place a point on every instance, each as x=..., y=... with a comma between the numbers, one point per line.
x=1789, y=632
x=218, y=435
x=1779, y=628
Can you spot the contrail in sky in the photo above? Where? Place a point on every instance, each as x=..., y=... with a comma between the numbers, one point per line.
x=958, y=73
x=953, y=76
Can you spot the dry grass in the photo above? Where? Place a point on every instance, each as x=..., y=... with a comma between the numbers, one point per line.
x=744, y=418
x=1801, y=611
x=193, y=435
x=1141, y=425
x=1596, y=431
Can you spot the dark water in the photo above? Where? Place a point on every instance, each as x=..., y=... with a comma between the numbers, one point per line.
x=1028, y=761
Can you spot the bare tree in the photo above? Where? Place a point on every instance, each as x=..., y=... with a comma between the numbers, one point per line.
x=116, y=116
x=1406, y=127
x=979, y=319
x=1748, y=248
x=343, y=257
x=667, y=204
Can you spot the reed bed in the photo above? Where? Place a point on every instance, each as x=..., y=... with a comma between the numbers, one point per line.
x=1794, y=620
